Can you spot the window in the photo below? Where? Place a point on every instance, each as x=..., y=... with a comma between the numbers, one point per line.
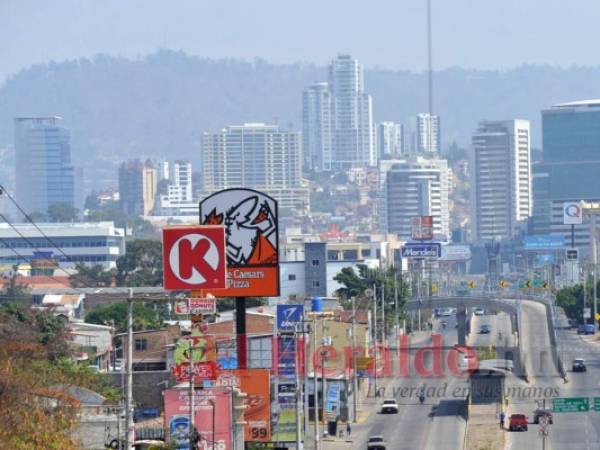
x=291, y=277
x=315, y=262
x=260, y=353
x=141, y=345
x=316, y=283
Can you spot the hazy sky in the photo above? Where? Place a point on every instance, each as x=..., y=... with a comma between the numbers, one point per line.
x=467, y=33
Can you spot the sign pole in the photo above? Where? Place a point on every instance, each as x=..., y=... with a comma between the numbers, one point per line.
x=240, y=331
x=191, y=394
x=572, y=236
x=129, y=432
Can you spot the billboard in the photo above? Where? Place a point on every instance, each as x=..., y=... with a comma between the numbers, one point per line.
x=288, y=316
x=204, y=354
x=252, y=249
x=332, y=400
x=572, y=213
x=284, y=413
x=421, y=250
x=256, y=384
x=194, y=257
x=208, y=403
x=543, y=242
x=421, y=228
x=456, y=253
x=286, y=356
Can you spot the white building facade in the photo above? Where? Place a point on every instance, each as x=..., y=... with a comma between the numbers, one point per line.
x=390, y=138
x=414, y=187
x=501, y=194
x=428, y=136
x=317, y=138
x=256, y=156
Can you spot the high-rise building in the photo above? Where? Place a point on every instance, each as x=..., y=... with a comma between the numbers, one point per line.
x=338, y=119
x=353, y=134
x=257, y=156
x=176, y=191
x=501, y=196
x=390, y=139
x=570, y=167
x=411, y=188
x=317, y=139
x=137, y=187
x=44, y=174
x=427, y=134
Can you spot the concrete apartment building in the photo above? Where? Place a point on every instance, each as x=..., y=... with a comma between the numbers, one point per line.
x=44, y=173
x=427, y=134
x=256, y=156
x=501, y=194
x=338, y=119
x=137, y=187
x=414, y=187
x=390, y=139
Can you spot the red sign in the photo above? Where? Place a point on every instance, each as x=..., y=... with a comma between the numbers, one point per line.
x=250, y=218
x=256, y=384
x=422, y=228
x=194, y=257
x=202, y=305
x=209, y=405
x=202, y=371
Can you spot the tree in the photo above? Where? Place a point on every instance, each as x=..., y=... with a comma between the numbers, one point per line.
x=141, y=265
x=144, y=317
x=228, y=303
x=62, y=212
x=571, y=300
x=13, y=290
x=91, y=276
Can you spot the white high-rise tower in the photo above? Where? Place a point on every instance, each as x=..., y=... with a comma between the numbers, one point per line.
x=501, y=196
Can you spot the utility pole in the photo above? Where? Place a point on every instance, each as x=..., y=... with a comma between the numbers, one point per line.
x=129, y=430
x=316, y=387
x=397, y=321
x=298, y=390
x=595, y=262
x=192, y=402
x=384, y=335
x=354, y=377
x=375, y=336
x=305, y=379
x=324, y=342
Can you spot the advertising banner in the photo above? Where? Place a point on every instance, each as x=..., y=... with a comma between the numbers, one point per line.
x=202, y=305
x=256, y=384
x=286, y=356
x=572, y=213
x=252, y=249
x=208, y=403
x=284, y=413
x=332, y=404
x=544, y=242
x=194, y=257
x=288, y=316
x=205, y=357
x=422, y=251
x=422, y=228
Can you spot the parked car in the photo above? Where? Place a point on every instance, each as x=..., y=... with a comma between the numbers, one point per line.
x=541, y=412
x=484, y=329
x=579, y=365
x=518, y=422
x=581, y=328
x=479, y=312
x=390, y=406
x=376, y=443
x=590, y=328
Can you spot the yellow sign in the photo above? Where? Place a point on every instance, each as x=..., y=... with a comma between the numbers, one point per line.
x=434, y=288
x=364, y=362
x=527, y=284
x=503, y=284
x=472, y=285
x=597, y=316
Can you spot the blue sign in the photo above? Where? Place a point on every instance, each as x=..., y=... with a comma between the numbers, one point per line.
x=413, y=250
x=332, y=404
x=286, y=356
x=179, y=428
x=544, y=242
x=288, y=316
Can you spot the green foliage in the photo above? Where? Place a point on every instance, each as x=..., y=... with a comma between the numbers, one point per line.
x=386, y=281
x=145, y=316
x=91, y=276
x=571, y=300
x=62, y=212
x=141, y=265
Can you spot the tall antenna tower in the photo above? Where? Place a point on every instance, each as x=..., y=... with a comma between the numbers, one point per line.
x=429, y=61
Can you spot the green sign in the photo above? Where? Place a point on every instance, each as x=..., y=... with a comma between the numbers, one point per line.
x=596, y=403
x=571, y=404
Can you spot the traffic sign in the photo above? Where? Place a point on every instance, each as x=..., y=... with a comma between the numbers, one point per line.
x=194, y=257
x=503, y=284
x=596, y=403
x=364, y=362
x=587, y=313
x=422, y=251
x=472, y=285
x=570, y=404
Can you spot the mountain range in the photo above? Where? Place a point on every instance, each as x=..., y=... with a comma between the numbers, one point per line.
x=158, y=106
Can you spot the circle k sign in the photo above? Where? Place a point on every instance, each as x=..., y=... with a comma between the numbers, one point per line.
x=194, y=257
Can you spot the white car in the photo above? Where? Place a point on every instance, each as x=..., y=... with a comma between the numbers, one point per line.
x=390, y=406
x=376, y=443
x=479, y=312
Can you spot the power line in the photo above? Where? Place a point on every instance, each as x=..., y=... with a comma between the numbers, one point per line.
x=30, y=220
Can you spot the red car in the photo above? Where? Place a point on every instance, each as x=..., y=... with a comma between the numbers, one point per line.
x=518, y=422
